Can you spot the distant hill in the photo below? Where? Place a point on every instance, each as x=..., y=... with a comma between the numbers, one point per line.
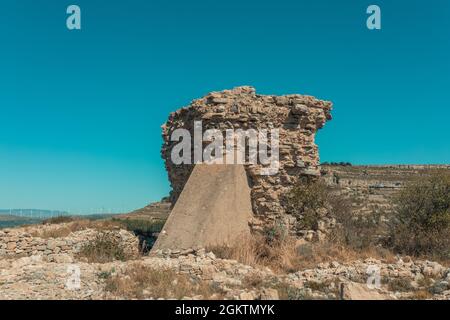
x=154, y=211
x=17, y=217
x=9, y=221
x=33, y=213
x=7, y=217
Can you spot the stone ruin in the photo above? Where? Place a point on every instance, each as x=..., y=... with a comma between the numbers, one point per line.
x=31, y=241
x=298, y=117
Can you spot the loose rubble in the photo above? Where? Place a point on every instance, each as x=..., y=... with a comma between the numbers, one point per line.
x=37, y=277
x=20, y=242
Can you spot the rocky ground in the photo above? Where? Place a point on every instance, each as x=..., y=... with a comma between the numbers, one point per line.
x=35, y=276
x=371, y=188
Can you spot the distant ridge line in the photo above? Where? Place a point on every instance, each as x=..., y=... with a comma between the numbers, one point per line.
x=33, y=213
x=399, y=166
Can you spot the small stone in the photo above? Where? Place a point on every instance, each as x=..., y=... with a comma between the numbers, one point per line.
x=51, y=244
x=146, y=292
x=246, y=296
x=299, y=109
x=62, y=258
x=334, y=264
x=433, y=269
x=439, y=287
x=310, y=235
x=220, y=100
x=211, y=255
x=269, y=294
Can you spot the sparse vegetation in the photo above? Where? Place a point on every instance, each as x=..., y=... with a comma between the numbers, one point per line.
x=58, y=220
x=253, y=281
x=105, y=247
x=256, y=250
x=353, y=232
x=53, y=233
x=289, y=256
x=354, y=237
x=287, y=292
x=356, y=231
x=104, y=274
x=306, y=200
x=421, y=295
x=420, y=227
x=145, y=282
x=425, y=282
x=398, y=284
x=276, y=234
x=330, y=286
x=75, y=225
x=311, y=254
x=421, y=223
x=253, y=251
x=146, y=230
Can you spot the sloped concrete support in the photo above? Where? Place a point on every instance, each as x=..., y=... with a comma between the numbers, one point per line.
x=214, y=208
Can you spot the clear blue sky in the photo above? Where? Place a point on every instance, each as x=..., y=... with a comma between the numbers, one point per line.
x=81, y=111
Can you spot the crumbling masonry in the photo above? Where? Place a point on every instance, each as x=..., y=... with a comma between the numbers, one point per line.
x=297, y=117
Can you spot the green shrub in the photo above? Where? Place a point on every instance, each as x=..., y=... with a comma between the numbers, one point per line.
x=276, y=233
x=305, y=200
x=421, y=223
x=358, y=232
x=355, y=231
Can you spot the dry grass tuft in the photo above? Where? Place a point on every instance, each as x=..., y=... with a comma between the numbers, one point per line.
x=311, y=254
x=58, y=220
x=142, y=282
x=287, y=256
x=60, y=232
x=105, y=247
x=76, y=225
x=253, y=280
x=421, y=295
x=256, y=251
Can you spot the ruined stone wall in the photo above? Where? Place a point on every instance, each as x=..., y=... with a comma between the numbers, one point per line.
x=25, y=242
x=297, y=117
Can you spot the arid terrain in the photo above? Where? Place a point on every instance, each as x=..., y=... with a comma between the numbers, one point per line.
x=114, y=262
x=371, y=188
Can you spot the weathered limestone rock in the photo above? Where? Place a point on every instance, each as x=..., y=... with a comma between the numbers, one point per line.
x=360, y=291
x=297, y=117
x=18, y=242
x=269, y=294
